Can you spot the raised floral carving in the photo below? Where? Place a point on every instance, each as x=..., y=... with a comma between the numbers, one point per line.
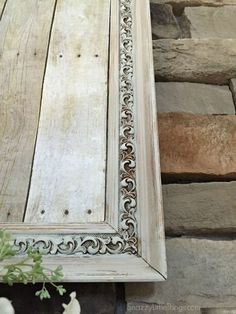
x=125, y=241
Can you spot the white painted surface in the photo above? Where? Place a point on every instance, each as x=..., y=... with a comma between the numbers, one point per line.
x=24, y=33
x=70, y=160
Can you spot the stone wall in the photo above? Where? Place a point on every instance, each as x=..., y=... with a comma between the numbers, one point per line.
x=195, y=68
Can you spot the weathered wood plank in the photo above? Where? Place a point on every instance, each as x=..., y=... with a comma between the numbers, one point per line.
x=199, y=208
x=68, y=180
x=148, y=179
x=2, y=3
x=113, y=153
x=24, y=33
x=201, y=272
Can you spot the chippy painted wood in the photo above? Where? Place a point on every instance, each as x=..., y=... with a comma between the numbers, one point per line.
x=2, y=3
x=24, y=32
x=68, y=180
x=112, y=195
x=121, y=268
x=149, y=194
x=102, y=228
x=102, y=255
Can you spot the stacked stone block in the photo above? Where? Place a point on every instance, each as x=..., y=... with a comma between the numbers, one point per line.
x=194, y=44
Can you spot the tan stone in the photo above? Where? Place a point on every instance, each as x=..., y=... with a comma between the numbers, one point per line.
x=197, y=147
x=193, y=97
x=200, y=272
x=209, y=22
x=195, y=60
x=147, y=308
x=200, y=208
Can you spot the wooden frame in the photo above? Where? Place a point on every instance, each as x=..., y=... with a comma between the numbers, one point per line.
x=129, y=245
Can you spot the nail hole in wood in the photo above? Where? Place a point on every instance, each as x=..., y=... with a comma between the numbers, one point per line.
x=79, y=55
x=60, y=55
x=8, y=214
x=96, y=56
x=89, y=211
x=42, y=212
x=18, y=54
x=66, y=212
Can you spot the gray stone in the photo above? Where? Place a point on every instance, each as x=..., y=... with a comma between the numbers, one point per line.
x=184, y=3
x=195, y=60
x=195, y=98
x=147, y=308
x=200, y=208
x=233, y=89
x=200, y=272
x=184, y=25
x=219, y=311
x=207, y=22
x=164, y=23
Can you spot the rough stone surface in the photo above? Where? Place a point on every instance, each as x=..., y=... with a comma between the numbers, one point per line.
x=197, y=147
x=195, y=98
x=233, y=89
x=184, y=25
x=147, y=308
x=200, y=208
x=185, y=3
x=200, y=272
x=208, y=22
x=219, y=311
x=164, y=23
x=195, y=60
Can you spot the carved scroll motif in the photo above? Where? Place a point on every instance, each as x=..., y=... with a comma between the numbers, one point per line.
x=125, y=241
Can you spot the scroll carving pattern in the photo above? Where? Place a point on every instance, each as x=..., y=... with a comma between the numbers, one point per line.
x=126, y=240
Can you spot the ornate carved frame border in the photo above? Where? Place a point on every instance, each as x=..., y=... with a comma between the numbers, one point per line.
x=130, y=245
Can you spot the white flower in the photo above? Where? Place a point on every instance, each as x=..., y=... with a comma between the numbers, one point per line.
x=6, y=307
x=73, y=307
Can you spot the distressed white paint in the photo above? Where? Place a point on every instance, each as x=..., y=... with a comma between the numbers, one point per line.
x=150, y=210
x=149, y=264
x=2, y=3
x=113, y=154
x=70, y=161
x=24, y=34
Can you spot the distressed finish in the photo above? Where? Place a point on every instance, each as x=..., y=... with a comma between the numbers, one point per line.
x=2, y=3
x=127, y=243
x=71, y=140
x=25, y=27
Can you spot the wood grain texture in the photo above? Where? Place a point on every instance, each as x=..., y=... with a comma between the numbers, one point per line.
x=113, y=154
x=108, y=268
x=68, y=180
x=2, y=3
x=105, y=256
x=149, y=196
x=24, y=32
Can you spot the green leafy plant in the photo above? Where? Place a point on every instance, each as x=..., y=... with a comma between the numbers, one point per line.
x=29, y=269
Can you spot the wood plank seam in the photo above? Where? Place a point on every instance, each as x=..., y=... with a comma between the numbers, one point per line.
x=45, y=67
x=2, y=7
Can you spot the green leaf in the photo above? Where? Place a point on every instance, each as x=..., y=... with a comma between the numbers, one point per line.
x=29, y=269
